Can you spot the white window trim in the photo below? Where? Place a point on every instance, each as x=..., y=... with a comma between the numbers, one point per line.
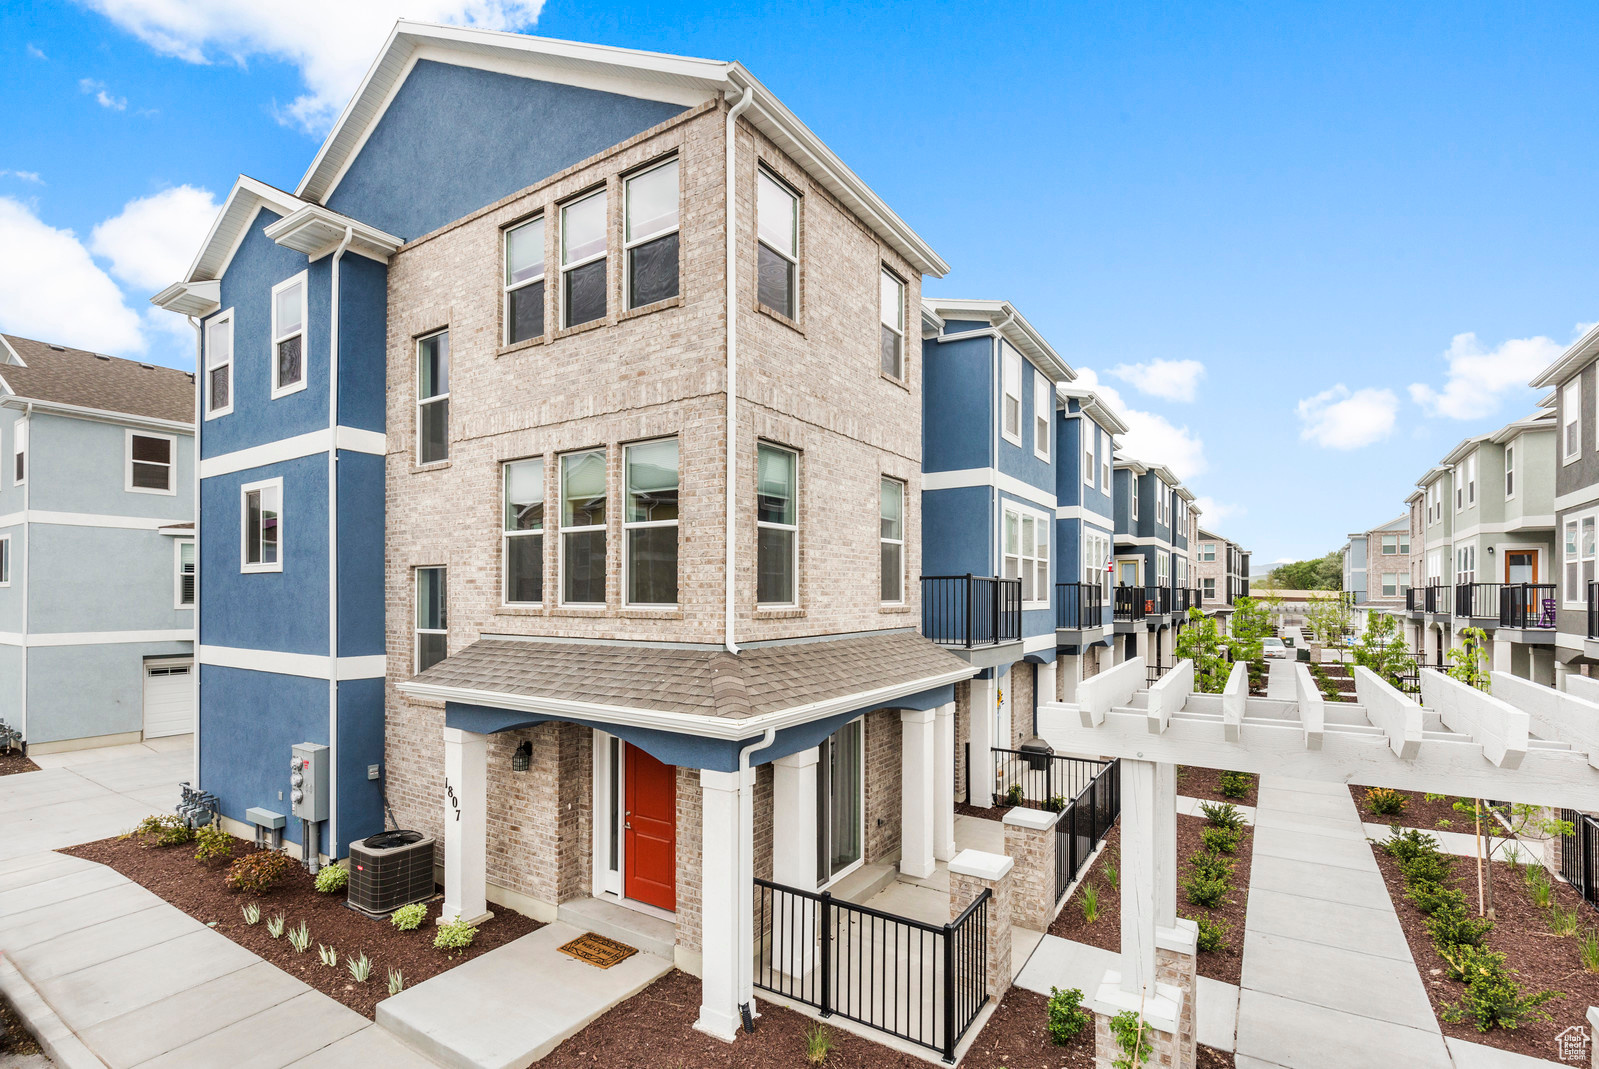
x=210, y=365
x=1132, y=482
x=793, y=527
x=19, y=448
x=629, y=244
x=278, y=390
x=1010, y=359
x=1090, y=452
x=904, y=347
x=417, y=630
x=563, y=530
x=423, y=402
x=564, y=268
x=244, y=526
x=1043, y=408
x=127, y=465
x=1510, y=472
x=508, y=288
x=5, y=560
x=177, y=573
x=643, y=525
x=1040, y=521
x=900, y=541
x=794, y=221
x=1571, y=414
x=506, y=535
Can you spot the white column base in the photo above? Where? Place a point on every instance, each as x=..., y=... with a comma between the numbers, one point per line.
x=917, y=772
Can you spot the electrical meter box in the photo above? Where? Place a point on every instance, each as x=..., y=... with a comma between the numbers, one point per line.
x=308, y=781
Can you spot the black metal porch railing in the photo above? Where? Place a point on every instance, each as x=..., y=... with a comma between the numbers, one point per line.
x=1415, y=599
x=1079, y=605
x=1593, y=609
x=1480, y=601
x=1084, y=822
x=1034, y=778
x=971, y=610
x=1153, y=672
x=1129, y=604
x=1440, y=599
x=923, y=983
x=1157, y=600
x=1579, y=855
x=1527, y=605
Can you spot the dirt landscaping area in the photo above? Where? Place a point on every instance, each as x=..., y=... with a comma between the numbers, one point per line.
x=15, y=1040
x=1205, y=783
x=1419, y=812
x=198, y=889
x=12, y=762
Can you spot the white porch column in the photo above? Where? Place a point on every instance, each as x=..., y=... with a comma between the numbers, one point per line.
x=980, y=766
x=1141, y=874
x=918, y=772
x=1144, y=644
x=944, y=782
x=466, y=819
x=1068, y=673
x=794, y=819
x=719, y=899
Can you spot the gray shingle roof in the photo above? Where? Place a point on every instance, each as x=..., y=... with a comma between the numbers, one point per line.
x=691, y=681
x=91, y=380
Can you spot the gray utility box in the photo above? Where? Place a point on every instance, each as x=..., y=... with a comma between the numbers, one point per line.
x=308, y=781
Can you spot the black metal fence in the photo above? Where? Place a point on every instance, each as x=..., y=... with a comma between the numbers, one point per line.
x=1129, y=604
x=1157, y=600
x=1034, y=778
x=1579, y=855
x=1480, y=601
x=1527, y=605
x=1084, y=822
x=1079, y=605
x=1593, y=609
x=971, y=610
x=1415, y=599
x=1438, y=598
x=923, y=983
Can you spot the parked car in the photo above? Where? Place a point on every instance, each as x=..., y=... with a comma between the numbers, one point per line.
x=1273, y=647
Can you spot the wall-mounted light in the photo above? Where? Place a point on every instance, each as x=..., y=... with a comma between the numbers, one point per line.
x=523, y=757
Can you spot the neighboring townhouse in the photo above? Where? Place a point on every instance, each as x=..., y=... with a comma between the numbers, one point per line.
x=1377, y=566
x=96, y=547
x=1221, y=573
x=1432, y=606
x=991, y=453
x=574, y=498
x=1151, y=510
x=1085, y=537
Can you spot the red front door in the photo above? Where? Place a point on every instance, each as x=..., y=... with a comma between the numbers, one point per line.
x=651, y=826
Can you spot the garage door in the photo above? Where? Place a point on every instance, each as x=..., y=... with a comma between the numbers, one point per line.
x=168, y=698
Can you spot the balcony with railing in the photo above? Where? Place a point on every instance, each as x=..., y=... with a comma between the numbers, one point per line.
x=1478, y=601
x=1079, y=605
x=967, y=611
x=1527, y=606
x=1129, y=604
x=1415, y=599
x=1593, y=609
x=1157, y=600
x=1439, y=599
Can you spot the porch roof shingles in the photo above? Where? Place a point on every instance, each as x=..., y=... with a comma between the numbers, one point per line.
x=699, y=682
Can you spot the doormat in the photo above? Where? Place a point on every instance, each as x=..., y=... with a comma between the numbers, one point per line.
x=598, y=950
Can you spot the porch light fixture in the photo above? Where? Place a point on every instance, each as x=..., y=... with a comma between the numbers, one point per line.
x=523, y=757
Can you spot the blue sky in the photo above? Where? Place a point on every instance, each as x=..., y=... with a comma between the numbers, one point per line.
x=1321, y=243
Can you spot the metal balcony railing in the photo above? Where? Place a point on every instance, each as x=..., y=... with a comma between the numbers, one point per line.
x=971, y=610
x=1129, y=604
x=1079, y=605
x=1527, y=605
x=1479, y=601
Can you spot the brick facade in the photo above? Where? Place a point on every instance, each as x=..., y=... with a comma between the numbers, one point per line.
x=1019, y=681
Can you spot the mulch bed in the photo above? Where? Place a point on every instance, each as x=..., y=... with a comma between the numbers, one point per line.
x=15, y=1039
x=1225, y=964
x=1204, y=783
x=655, y=1028
x=12, y=762
x=997, y=812
x=1420, y=813
x=1541, y=961
x=197, y=888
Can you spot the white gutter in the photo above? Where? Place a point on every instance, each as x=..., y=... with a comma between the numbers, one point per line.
x=746, y=872
x=27, y=557
x=731, y=270
x=199, y=387
x=333, y=557
x=123, y=419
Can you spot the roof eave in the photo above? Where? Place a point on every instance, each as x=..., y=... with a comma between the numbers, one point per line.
x=1578, y=353
x=197, y=299
x=98, y=415
x=317, y=231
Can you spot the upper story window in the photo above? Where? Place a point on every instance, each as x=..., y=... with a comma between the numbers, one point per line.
x=432, y=624
x=219, y=364
x=522, y=541
x=1207, y=587
x=891, y=540
x=1090, y=440
x=433, y=398
x=1510, y=471
x=649, y=522
x=1460, y=488
x=150, y=460
x=1010, y=393
x=1471, y=479
x=1104, y=463
x=1027, y=552
x=1571, y=420
x=583, y=528
x=1160, y=502
x=891, y=309
x=524, y=282
x=19, y=453
x=1207, y=552
x=5, y=560
x=583, y=249
x=776, y=525
x=1132, y=498
x=777, y=248
x=1390, y=544
x=650, y=235
x=1043, y=406
x=288, y=335
x=184, y=579
x=262, y=508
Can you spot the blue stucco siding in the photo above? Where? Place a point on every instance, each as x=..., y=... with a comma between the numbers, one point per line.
x=82, y=691
x=363, y=343
x=361, y=527
x=1126, y=485
x=514, y=132
x=1020, y=460
x=103, y=579
x=1035, y=621
x=360, y=801
x=1068, y=459
x=957, y=531
x=79, y=465
x=958, y=404
x=285, y=611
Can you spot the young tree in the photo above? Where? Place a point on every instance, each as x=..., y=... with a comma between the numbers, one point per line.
x=1382, y=649
x=1251, y=623
x=1201, y=643
x=1471, y=659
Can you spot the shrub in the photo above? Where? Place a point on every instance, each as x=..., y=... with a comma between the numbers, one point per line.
x=214, y=844
x=1220, y=840
x=165, y=829
x=1235, y=784
x=1430, y=897
x=258, y=870
x=457, y=935
x=333, y=878
x=1386, y=802
x=409, y=918
x=1404, y=845
x=1212, y=865
x=1089, y=901
x=1453, y=927
x=818, y=1044
x=1588, y=949
x=1493, y=998
x=1132, y=1036
x=1014, y=795
x=1206, y=890
x=1212, y=933
x=1066, y=1015
x=1056, y=803
x=1226, y=815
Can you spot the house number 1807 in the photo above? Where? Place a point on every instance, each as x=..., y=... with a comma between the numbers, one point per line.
x=455, y=803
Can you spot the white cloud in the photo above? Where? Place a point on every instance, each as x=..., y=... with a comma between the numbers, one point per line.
x=331, y=44
x=1477, y=380
x=51, y=289
x=1213, y=512
x=36, y=52
x=151, y=242
x=1151, y=437
x=1340, y=419
x=1175, y=380
x=1285, y=560
x=101, y=96
x=23, y=176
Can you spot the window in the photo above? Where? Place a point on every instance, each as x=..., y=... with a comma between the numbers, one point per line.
x=1471, y=479
x=1162, y=568
x=288, y=335
x=522, y=543
x=1104, y=464
x=1390, y=585
x=583, y=247
x=583, y=528
x=1574, y=595
x=149, y=464
x=1160, y=502
x=777, y=249
x=1090, y=440
x=5, y=560
x=1404, y=542
x=649, y=522
x=776, y=525
x=1460, y=487
x=1011, y=393
x=1404, y=584
x=19, y=453
x=1043, y=398
x=1571, y=420
x=262, y=505
x=891, y=540
x=891, y=306
x=1587, y=557
x=1027, y=552
x=1510, y=471
x=1208, y=588
x=432, y=633
x=1132, y=482
x=840, y=802
x=1207, y=552
x=524, y=282
x=650, y=235
x=433, y=398
x=184, y=580
x=1466, y=564
x=1390, y=545
x=219, y=365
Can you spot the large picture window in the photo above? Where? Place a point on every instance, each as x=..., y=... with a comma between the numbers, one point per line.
x=219, y=364
x=583, y=258
x=777, y=248
x=524, y=281
x=650, y=237
x=891, y=311
x=262, y=507
x=433, y=398
x=776, y=525
x=150, y=460
x=1027, y=552
x=432, y=626
x=522, y=549
x=891, y=540
x=583, y=528
x=288, y=335
x=649, y=522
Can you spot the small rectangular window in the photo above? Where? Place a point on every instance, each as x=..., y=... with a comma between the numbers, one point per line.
x=1090, y=440
x=5, y=560
x=524, y=282
x=777, y=246
x=263, y=526
x=1471, y=479
x=219, y=364
x=1208, y=587
x=584, y=244
x=1132, y=498
x=1104, y=465
x=19, y=452
x=649, y=522
x=1404, y=542
x=1571, y=419
x=1390, y=544
x=1574, y=593
x=891, y=541
x=522, y=543
x=1043, y=407
x=891, y=310
x=432, y=625
x=650, y=235
x=288, y=335
x=583, y=528
x=1011, y=393
x=149, y=463
x=185, y=573
x=433, y=398
x=1510, y=471
x=776, y=525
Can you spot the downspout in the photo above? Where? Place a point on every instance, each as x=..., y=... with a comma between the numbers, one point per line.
x=746, y=880
x=333, y=559
x=731, y=269
x=27, y=559
x=199, y=420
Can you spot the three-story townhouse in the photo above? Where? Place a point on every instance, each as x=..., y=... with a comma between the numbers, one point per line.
x=1221, y=573
x=1147, y=604
x=1377, y=566
x=1438, y=566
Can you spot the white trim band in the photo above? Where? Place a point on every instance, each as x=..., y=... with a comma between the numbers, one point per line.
x=308, y=665
x=309, y=444
x=94, y=638
x=991, y=477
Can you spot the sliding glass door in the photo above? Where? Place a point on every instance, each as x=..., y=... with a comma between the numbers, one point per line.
x=840, y=803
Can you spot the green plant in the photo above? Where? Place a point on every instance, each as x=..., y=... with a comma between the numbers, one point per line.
x=213, y=843
x=275, y=926
x=818, y=1044
x=1540, y=888
x=300, y=938
x=1329, y=689
x=1212, y=865
x=457, y=935
x=1493, y=998
x=1209, y=879
x=333, y=878
x=329, y=955
x=1225, y=815
x=360, y=968
x=1055, y=803
x=258, y=870
x=1382, y=649
x=1220, y=840
x=1430, y=897
x=1418, y=857
x=1113, y=876
x=1014, y=795
x=1452, y=926
x=1200, y=641
x=1588, y=949
x=1562, y=922
x=1470, y=659
x=164, y=829
x=1235, y=784
x=252, y=913
x=1435, y=797
x=1385, y=802
x=1089, y=901
x=1212, y=933
x=1067, y=1017
x=1443, y=822
x=409, y=918
x=1129, y=1028
x=396, y=981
